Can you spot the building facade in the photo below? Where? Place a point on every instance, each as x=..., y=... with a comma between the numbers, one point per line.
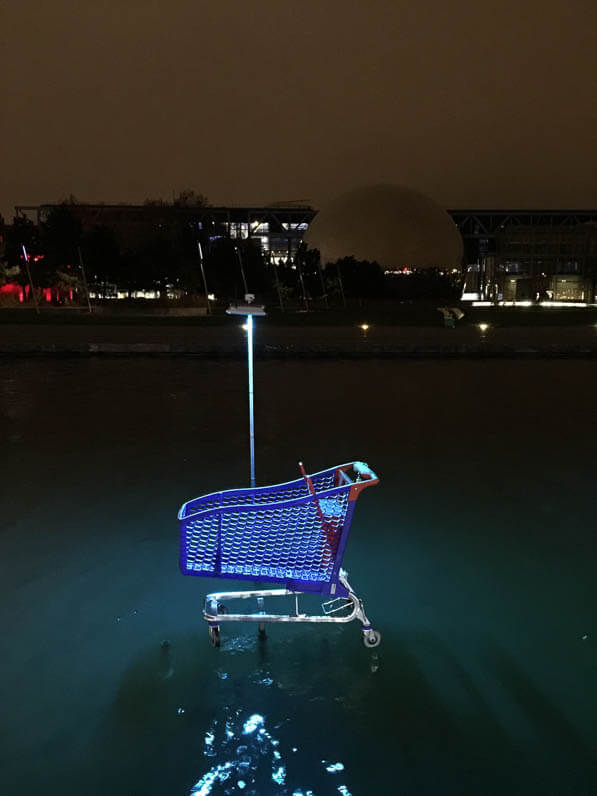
x=529, y=255
x=547, y=263
x=278, y=230
x=509, y=255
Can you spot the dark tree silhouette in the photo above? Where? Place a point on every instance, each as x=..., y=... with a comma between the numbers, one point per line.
x=101, y=255
x=427, y=283
x=60, y=238
x=22, y=232
x=224, y=276
x=189, y=198
x=361, y=279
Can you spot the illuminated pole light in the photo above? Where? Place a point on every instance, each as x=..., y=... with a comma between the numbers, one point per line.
x=251, y=413
x=249, y=309
x=483, y=327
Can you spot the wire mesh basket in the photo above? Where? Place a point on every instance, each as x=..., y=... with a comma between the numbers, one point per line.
x=293, y=533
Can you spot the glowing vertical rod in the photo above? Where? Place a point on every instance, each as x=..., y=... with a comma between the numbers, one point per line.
x=248, y=309
x=207, y=308
x=251, y=419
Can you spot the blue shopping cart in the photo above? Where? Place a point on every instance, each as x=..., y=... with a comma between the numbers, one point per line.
x=293, y=534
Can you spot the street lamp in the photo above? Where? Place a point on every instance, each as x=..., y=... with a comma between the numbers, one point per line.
x=249, y=309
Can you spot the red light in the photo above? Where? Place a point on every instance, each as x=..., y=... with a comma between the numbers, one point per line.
x=10, y=289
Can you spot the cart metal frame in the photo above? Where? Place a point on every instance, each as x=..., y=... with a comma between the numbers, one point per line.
x=293, y=533
x=215, y=611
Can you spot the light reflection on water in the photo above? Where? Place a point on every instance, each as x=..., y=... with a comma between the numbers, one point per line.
x=264, y=753
x=249, y=752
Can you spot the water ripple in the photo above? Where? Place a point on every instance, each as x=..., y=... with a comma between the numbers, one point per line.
x=250, y=757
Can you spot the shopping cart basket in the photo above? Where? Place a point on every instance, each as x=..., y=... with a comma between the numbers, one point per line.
x=293, y=534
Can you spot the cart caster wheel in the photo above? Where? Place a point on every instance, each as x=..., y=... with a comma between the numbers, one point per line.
x=214, y=636
x=371, y=638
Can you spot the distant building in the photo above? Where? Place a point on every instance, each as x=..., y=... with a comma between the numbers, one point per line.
x=547, y=263
x=278, y=230
x=529, y=255
x=509, y=255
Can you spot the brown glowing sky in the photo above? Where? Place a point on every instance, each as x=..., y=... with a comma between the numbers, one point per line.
x=475, y=102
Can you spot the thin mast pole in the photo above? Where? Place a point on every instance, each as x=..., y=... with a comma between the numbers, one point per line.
x=248, y=311
x=324, y=292
x=30, y=279
x=302, y=281
x=251, y=418
x=275, y=267
x=84, y=278
x=341, y=285
x=200, y=250
x=242, y=270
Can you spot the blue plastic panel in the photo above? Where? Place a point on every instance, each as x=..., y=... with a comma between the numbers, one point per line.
x=273, y=533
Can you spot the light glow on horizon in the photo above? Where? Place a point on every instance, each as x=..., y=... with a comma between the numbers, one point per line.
x=547, y=304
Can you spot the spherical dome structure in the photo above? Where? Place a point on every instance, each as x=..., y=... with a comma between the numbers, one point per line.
x=389, y=224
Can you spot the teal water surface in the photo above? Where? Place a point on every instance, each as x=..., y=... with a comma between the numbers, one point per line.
x=475, y=558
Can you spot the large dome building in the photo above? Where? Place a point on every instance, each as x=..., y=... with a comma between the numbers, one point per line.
x=389, y=224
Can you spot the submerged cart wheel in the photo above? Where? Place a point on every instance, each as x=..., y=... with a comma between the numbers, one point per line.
x=214, y=636
x=371, y=638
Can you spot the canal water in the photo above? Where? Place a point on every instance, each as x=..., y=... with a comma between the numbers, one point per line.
x=475, y=558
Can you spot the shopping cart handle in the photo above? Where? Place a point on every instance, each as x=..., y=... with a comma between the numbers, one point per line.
x=363, y=469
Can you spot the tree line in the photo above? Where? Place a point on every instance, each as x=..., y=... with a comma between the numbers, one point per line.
x=180, y=259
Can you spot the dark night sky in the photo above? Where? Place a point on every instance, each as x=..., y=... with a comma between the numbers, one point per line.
x=476, y=102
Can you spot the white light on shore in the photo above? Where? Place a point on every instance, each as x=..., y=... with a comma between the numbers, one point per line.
x=483, y=327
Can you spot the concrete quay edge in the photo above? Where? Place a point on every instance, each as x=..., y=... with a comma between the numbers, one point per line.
x=295, y=351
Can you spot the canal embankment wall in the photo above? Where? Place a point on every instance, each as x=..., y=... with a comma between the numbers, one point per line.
x=297, y=342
